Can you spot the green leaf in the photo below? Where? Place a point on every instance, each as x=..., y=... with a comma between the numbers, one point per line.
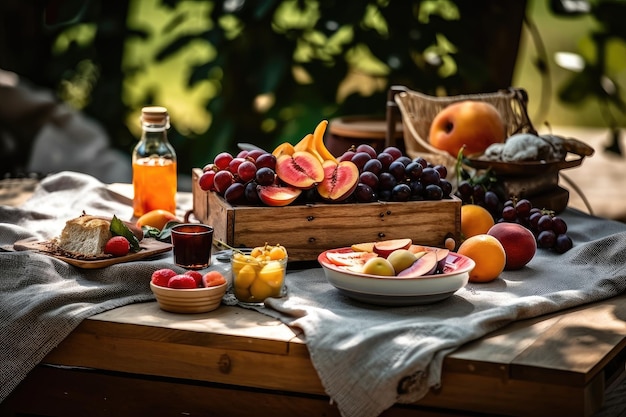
x=118, y=228
x=163, y=235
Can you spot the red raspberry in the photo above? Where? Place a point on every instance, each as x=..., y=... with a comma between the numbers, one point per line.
x=197, y=276
x=117, y=246
x=182, y=282
x=161, y=277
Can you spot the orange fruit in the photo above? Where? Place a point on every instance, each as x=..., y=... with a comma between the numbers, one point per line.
x=475, y=220
x=156, y=218
x=488, y=254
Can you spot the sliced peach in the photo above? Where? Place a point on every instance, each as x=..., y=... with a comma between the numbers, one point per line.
x=385, y=247
x=301, y=170
x=340, y=180
x=363, y=247
x=277, y=195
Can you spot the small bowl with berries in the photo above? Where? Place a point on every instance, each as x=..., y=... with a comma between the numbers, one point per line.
x=189, y=292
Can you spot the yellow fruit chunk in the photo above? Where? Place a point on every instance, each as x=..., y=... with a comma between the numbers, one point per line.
x=488, y=254
x=260, y=290
x=273, y=274
x=245, y=277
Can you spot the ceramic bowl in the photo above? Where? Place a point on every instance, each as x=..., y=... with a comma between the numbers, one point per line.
x=393, y=291
x=196, y=300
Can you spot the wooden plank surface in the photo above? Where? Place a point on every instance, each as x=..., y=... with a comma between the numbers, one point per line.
x=532, y=367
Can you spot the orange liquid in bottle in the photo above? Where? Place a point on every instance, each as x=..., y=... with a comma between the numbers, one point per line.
x=154, y=183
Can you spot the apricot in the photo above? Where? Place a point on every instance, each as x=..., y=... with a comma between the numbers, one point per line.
x=156, y=218
x=518, y=242
x=469, y=123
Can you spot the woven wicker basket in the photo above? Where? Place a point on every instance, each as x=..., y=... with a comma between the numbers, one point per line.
x=418, y=111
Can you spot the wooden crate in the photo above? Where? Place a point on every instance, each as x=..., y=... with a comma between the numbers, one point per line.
x=307, y=230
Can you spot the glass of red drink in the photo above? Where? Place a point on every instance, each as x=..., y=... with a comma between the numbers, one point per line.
x=192, y=245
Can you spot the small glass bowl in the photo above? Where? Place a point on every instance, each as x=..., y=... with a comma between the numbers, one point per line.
x=256, y=279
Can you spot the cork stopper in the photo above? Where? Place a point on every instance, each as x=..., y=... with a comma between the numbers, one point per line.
x=154, y=115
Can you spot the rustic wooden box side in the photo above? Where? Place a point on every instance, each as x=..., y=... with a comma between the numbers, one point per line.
x=308, y=230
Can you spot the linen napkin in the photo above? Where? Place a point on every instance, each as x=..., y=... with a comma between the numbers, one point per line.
x=43, y=299
x=370, y=357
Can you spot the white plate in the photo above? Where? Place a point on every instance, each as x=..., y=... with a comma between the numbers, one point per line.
x=393, y=291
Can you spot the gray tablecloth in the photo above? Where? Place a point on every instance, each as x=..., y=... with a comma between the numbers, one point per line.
x=43, y=299
x=367, y=357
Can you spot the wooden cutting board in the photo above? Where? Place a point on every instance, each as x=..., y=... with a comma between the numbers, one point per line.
x=149, y=247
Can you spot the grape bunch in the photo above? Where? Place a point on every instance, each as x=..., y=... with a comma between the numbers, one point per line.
x=235, y=177
x=392, y=176
x=549, y=230
x=481, y=189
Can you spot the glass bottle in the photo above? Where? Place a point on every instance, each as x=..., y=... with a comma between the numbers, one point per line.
x=154, y=164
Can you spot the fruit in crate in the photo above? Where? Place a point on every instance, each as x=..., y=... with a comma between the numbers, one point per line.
x=471, y=124
x=307, y=172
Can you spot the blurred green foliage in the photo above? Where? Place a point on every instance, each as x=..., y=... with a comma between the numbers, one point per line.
x=261, y=72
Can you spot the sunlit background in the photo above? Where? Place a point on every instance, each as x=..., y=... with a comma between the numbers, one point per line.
x=267, y=72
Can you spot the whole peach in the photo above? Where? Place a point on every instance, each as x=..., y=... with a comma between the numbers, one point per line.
x=469, y=123
x=519, y=243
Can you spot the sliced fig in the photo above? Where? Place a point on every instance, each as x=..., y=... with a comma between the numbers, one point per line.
x=426, y=265
x=442, y=255
x=340, y=180
x=301, y=170
x=277, y=195
x=385, y=247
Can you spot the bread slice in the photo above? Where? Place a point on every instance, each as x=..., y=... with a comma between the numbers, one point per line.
x=85, y=236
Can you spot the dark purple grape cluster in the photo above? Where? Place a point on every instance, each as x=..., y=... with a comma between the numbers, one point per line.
x=390, y=175
x=550, y=230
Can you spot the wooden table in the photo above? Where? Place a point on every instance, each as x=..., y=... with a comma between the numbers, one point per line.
x=139, y=360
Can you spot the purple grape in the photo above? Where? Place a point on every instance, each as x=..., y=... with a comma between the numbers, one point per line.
x=509, y=214
x=386, y=181
x=446, y=187
x=430, y=176
x=364, y=193
x=559, y=226
x=544, y=223
x=397, y=169
x=492, y=202
x=546, y=239
x=265, y=176
x=369, y=178
x=374, y=166
x=386, y=159
x=563, y=243
x=523, y=207
x=414, y=170
x=442, y=170
x=433, y=192
x=401, y=192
